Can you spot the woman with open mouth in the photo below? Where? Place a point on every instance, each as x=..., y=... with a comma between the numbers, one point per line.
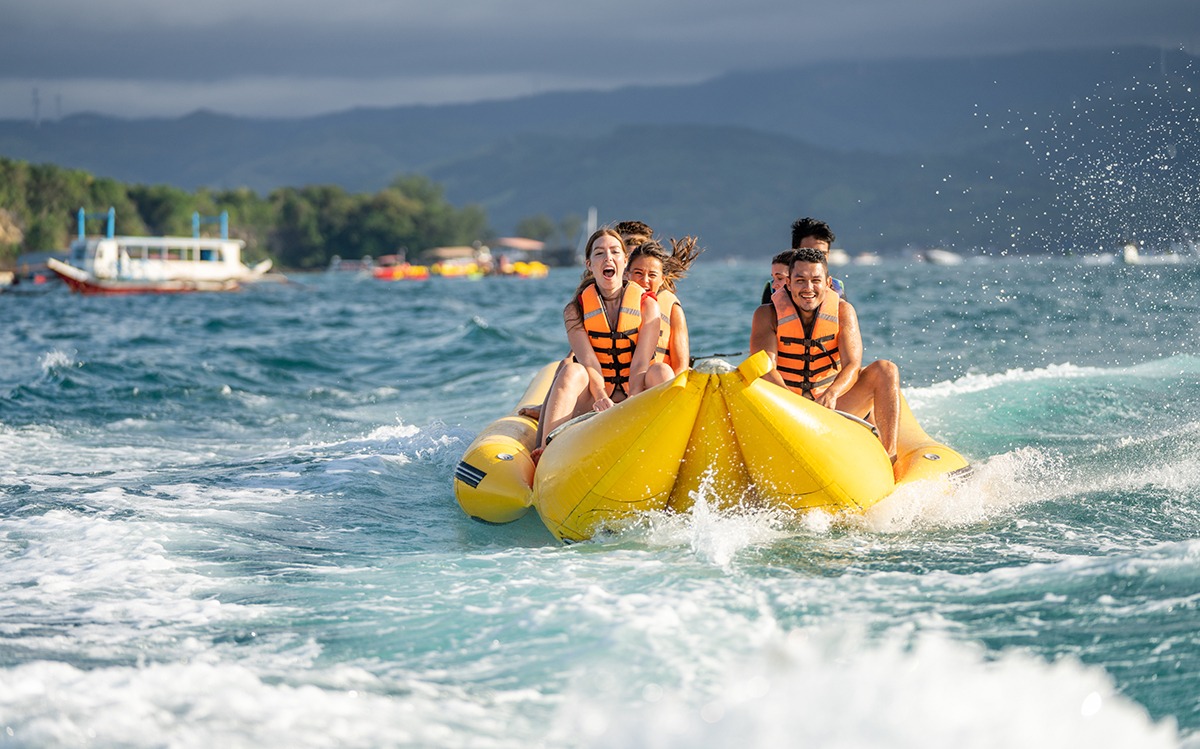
x=612, y=326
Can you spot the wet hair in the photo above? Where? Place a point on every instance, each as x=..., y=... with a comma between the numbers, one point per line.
x=587, y=277
x=808, y=255
x=811, y=227
x=683, y=253
x=783, y=258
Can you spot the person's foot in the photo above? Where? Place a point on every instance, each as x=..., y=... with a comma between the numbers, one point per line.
x=536, y=454
x=531, y=412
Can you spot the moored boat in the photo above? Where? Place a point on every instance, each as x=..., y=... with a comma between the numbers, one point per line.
x=154, y=265
x=1131, y=255
x=514, y=256
x=838, y=256
x=938, y=256
x=715, y=430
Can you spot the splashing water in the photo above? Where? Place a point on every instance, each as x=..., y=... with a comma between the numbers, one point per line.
x=1125, y=163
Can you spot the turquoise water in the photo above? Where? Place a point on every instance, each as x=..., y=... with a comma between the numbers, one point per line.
x=227, y=520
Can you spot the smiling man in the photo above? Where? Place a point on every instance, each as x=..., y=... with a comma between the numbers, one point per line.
x=813, y=338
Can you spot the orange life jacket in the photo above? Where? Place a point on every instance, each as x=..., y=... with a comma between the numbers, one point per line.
x=666, y=302
x=808, y=361
x=614, y=348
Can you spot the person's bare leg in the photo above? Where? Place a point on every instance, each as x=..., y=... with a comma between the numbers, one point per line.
x=887, y=404
x=658, y=374
x=877, y=392
x=536, y=413
x=568, y=398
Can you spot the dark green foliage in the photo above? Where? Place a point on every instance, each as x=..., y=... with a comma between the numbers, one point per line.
x=540, y=227
x=299, y=228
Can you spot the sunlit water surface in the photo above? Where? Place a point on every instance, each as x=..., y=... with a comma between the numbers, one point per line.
x=228, y=520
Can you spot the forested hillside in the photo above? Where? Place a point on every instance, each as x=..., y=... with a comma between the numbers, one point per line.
x=1037, y=151
x=298, y=228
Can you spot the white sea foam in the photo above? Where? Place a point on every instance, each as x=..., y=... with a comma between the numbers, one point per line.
x=49, y=458
x=827, y=688
x=1162, y=567
x=717, y=536
x=996, y=486
x=975, y=382
x=56, y=359
x=394, y=434
x=434, y=443
x=1003, y=483
x=21, y=448
x=714, y=535
x=84, y=583
x=1161, y=458
x=200, y=705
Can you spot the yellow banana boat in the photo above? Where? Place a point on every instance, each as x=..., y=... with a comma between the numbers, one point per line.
x=494, y=479
x=714, y=428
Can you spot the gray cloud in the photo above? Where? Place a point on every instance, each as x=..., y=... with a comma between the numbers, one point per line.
x=265, y=57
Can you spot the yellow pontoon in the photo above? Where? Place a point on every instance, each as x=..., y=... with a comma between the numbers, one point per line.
x=743, y=438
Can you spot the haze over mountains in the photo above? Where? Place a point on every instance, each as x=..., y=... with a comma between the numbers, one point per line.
x=1031, y=152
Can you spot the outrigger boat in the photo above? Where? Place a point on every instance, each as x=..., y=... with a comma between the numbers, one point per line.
x=155, y=265
x=715, y=430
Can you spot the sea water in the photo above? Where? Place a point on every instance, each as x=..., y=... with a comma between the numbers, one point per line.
x=228, y=520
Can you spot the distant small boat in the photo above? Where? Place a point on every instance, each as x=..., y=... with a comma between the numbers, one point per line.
x=395, y=268
x=838, y=256
x=515, y=256
x=868, y=258
x=1132, y=256
x=452, y=269
x=337, y=264
x=942, y=257
x=155, y=265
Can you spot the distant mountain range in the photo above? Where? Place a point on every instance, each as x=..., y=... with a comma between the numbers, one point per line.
x=893, y=154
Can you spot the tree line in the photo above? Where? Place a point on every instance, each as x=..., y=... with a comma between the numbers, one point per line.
x=298, y=228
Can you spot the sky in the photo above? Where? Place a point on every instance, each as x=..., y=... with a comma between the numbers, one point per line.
x=295, y=58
